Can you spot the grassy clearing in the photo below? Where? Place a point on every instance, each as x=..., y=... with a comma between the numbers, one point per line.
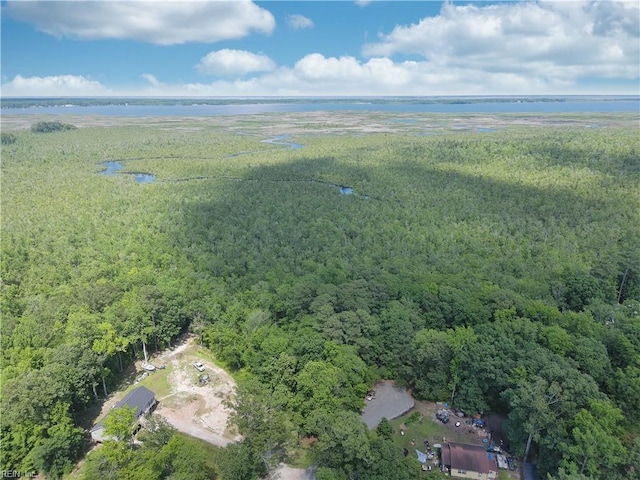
x=302, y=457
x=158, y=382
x=428, y=429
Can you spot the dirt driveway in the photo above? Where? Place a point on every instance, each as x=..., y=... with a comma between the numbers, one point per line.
x=195, y=409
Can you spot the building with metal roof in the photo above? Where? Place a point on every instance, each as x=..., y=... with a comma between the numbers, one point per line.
x=140, y=399
x=469, y=461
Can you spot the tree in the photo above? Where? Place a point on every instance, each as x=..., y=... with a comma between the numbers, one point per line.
x=531, y=410
x=119, y=423
x=57, y=453
x=184, y=458
x=458, y=339
x=431, y=359
x=8, y=138
x=384, y=429
x=238, y=462
x=343, y=441
x=156, y=432
x=46, y=127
x=267, y=428
x=316, y=386
x=388, y=462
x=597, y=448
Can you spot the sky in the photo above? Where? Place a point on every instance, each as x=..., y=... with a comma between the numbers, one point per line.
x=244, y=48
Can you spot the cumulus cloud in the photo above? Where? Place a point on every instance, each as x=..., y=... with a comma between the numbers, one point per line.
x=56, y=85
x=299, y=22
x=552, y=41
x=316, y=74
x=158, y=22
x=229, y=62
x=151, y=79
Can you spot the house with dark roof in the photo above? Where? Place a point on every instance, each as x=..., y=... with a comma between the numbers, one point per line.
x=469, y=461
x=140, y=399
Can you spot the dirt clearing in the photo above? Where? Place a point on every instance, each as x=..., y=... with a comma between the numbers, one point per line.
x=193, y=408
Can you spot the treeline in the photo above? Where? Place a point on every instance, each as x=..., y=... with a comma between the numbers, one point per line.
x=487, y=271
x=47, y=127
x=84, y=102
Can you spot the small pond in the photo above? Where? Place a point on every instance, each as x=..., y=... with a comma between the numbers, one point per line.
x=389, y=401
x=343, y=189
x=112, y=168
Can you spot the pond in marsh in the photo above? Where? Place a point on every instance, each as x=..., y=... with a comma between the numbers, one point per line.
x=112, y=168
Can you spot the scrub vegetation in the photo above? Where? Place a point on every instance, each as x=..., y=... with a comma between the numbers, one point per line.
x=495, y=271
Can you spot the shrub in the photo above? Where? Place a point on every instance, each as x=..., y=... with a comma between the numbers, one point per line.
x=46, y=127
x=413, y=418
x=8, y=138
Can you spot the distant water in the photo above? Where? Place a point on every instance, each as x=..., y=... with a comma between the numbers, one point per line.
x=578, y=106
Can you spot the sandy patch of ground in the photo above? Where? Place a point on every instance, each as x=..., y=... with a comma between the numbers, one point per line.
x=194, y=409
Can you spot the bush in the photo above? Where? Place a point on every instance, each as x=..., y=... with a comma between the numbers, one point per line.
x=413, y=418
x=8, y=138
x=46, y=127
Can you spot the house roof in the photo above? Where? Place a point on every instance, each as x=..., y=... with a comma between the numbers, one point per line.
x=140, y=399
x=468, y=457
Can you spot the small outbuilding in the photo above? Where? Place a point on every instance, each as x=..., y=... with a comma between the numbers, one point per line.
x=140, y=399
x=469, y=461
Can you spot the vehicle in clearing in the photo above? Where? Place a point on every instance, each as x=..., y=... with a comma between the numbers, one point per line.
x=199, y=366
x=148, y=367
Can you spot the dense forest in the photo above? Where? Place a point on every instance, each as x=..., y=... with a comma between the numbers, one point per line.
x=497, y=271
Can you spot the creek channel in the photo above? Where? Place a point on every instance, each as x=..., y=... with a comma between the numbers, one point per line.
x=113, y=167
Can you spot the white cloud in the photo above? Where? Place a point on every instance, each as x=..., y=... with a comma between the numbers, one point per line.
x=552, y=42
x=56, y=85
x=151, y=79
x=158, y=22
x=317, y=75
x=363, y=3
x=228, y=62
x=299, y=22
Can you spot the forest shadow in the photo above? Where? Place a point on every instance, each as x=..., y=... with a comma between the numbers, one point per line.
x=284, y=220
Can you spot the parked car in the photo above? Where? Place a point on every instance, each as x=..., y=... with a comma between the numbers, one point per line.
x=199, y=366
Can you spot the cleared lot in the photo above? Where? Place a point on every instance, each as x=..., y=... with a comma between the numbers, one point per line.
x=190, y=407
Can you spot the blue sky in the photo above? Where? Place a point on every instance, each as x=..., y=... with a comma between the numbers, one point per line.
x=283, y=48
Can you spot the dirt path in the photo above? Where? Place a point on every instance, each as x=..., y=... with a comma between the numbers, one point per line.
x=194, y=409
